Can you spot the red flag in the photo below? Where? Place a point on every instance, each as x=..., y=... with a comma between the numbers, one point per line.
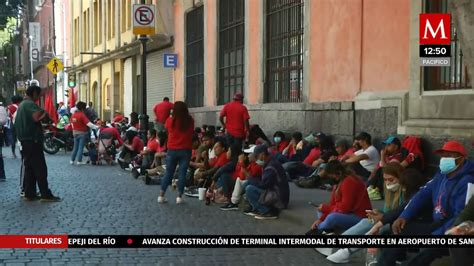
x=49, y=105
x=72, y=98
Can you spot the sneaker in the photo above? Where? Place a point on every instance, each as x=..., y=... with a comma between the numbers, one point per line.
x=192, y=192
x=230, y=207
x=71, y=162
x=22, y=194
x=341, y=256
x=267, y=216
x=251, y=212
x=135, y=173
x=147, y=179
x=50, y=198
x=325, y=251
x=162, y=199
x=30, y=199
x=81, y=163
x=179, y=200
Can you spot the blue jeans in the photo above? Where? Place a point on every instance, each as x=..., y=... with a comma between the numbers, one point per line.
x=362, y=227
x=340, y=221
x=225, y=182
x=79, y=142
x=173, y=158
x=253, y=195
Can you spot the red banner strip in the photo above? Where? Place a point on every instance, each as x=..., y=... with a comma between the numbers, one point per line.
x=34, y=241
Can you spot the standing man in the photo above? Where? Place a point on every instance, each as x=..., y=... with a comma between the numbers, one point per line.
x=30, y=134
x=236, y=121
x=16, y=100
x=162, y=112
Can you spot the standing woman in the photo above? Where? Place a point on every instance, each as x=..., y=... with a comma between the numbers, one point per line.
x=180, y=129
x=80, y=129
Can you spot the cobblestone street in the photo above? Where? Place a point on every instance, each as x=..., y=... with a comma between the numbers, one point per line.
x=106, y=200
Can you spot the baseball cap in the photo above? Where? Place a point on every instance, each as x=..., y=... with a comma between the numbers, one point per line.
x=453, y=146
x=310, y=138
x=238, y=96
x=392, y=140
x=259, y=149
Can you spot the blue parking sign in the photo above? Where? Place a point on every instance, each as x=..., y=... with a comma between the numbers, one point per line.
x=170, y=60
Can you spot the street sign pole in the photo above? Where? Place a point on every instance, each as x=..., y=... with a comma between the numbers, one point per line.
x=143, y=117
x=143, y=25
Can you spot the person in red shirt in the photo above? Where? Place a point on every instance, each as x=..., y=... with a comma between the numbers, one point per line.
x=280, y=142
x=109, y=140
x=80, y=129
x=11, y=109
x=246, y=172
x=348, y=203
x=147, y=155
x=180, y=129
x=132, y=146
x=204, y=178
x=236, y=120
x=134, y=122
x=162, y=112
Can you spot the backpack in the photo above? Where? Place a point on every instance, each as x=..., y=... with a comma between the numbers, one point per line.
x=3, y=116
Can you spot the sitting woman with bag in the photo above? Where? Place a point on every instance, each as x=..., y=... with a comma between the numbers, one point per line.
x=348, y=203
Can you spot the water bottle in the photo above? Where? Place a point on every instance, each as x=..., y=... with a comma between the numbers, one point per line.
x=371, y=258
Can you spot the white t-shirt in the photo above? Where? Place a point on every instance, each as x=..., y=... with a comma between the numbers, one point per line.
x=374, y=158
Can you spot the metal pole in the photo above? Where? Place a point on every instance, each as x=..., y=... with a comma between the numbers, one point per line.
x=55, y=91
x=143, y=117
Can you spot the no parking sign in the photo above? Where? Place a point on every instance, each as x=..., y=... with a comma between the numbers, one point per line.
x=144, y=19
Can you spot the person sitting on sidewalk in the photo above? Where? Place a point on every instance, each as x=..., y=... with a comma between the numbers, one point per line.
x=279, y=142
x=365, y=160
x=156, y=168
x=257, y=136
x=203, y=177
x=464, y=225
x=348, y=203
x=301, y=164
x=391, y=153
x=246, y=172
x=132, y=146
x=290, y=150
x=400, y=186
x=272, y=193
x=222, y=180
x=147, y=155
x=445, y=194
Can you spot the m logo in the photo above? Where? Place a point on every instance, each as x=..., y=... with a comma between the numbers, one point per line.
x=435, y=29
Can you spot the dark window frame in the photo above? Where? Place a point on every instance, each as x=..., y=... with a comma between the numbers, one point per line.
x=454, y=77
x=194, y=46
x=284, y=51
x=231, y=66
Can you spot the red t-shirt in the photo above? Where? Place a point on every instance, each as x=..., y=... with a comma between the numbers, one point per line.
x=161, y=148
x=313, y=155
x=152, y=145
x=351, y=197
x=282, y=145
x=79, y=122
x=177, y=139
x=219, y=161
x=236, y=114
x=253, y=169
x=137, y=144
x=11, y=110
x=349, y=152
x=162, y=111
x=114, y=132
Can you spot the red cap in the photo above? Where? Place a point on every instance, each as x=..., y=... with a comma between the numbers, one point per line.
x=453, y=146
x=238, y=96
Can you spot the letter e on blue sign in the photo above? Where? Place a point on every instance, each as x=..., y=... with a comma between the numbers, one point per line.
x=170, y=60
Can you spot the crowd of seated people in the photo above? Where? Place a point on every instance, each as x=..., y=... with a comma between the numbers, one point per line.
x=356, y=174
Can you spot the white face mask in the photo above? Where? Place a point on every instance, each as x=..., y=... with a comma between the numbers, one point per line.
x=392, y=187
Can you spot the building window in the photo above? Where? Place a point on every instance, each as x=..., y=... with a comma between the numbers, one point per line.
x=76, y=37
x=456, y=76
x=97, y=15
x=124, y=15
x=85, y=30
x=284, y=51
x=195, y=57
x=231, y=49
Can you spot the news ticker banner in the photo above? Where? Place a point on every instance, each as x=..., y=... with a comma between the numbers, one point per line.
x=229, y=241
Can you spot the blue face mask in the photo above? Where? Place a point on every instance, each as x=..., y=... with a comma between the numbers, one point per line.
x=447, y=165
x=277, y=139
x=260, y=162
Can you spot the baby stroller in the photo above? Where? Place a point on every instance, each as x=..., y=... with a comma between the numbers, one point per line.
x=106, y=150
